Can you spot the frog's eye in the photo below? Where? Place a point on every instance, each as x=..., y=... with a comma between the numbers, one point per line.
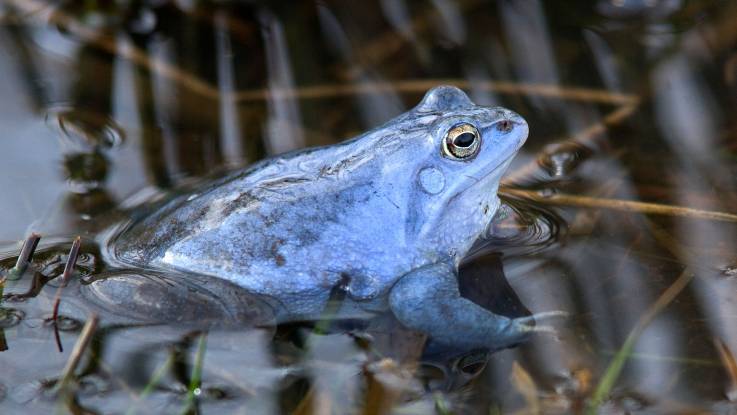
x=462, y=142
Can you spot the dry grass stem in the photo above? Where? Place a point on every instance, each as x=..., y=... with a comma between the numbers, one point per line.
x=79, y=347
x=26, y=255
x=609, y=379
x=71, y=260
x=420, y=86
x=525, y=385
x=730, y=367
x=562, y=199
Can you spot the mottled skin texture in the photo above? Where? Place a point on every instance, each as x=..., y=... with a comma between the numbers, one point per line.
x=386, y=217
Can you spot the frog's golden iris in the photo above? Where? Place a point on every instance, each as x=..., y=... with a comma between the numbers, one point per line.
x=462, y=142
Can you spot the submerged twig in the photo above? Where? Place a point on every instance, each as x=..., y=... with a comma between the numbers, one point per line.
x=25, y=256
x=68, y=269
x=55, y=319
x=562, y=199
x=615, y=367
x=79, y=347
x=2, y=287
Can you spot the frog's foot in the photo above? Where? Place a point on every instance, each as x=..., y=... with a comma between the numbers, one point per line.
x=529, y=324
x=428, y=300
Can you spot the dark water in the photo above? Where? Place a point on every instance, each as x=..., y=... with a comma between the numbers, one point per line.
x=106, y=106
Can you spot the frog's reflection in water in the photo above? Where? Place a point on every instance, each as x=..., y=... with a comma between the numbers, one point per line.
x=209, y=303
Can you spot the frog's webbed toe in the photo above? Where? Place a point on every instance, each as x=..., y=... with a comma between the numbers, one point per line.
x=153, y=297
x=428, y=300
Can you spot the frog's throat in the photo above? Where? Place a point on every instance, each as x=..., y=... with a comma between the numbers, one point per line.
x=490, y=181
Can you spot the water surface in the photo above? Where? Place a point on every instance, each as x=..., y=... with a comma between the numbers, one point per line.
x=624, y=188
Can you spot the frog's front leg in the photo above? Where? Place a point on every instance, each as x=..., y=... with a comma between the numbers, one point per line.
x=428, y=300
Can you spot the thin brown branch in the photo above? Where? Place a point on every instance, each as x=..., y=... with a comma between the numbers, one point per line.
x=422, y=85
x=562, y=199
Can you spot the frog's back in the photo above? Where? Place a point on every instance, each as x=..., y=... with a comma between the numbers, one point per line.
x=295, y=224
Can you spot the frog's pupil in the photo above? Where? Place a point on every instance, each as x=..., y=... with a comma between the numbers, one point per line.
x=464, y=140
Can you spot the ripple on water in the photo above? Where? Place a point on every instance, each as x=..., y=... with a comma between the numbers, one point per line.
x=729, y=271
x=86, y=129
x=10, y=317
x=64, y=323
x=560, y=160
x=522, y=228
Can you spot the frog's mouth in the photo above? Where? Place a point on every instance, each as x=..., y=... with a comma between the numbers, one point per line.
x=490, y=180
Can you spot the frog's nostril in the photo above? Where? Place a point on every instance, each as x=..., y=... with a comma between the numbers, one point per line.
x=504, y=126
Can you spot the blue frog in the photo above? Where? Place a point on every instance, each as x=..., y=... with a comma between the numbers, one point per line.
x=385, y=218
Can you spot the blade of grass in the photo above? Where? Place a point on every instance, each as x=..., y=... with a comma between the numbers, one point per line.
x=611, y=374
x=441, y=406
x=152, y=383
x=195, y=381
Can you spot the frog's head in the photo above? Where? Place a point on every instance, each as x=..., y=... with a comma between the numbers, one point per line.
x=457, y=160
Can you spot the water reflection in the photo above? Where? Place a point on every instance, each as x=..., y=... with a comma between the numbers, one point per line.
x=151, y=96
x=144, y=313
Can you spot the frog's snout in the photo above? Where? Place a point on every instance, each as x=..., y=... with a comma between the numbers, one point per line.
x=520, y=126
x=511, y=123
